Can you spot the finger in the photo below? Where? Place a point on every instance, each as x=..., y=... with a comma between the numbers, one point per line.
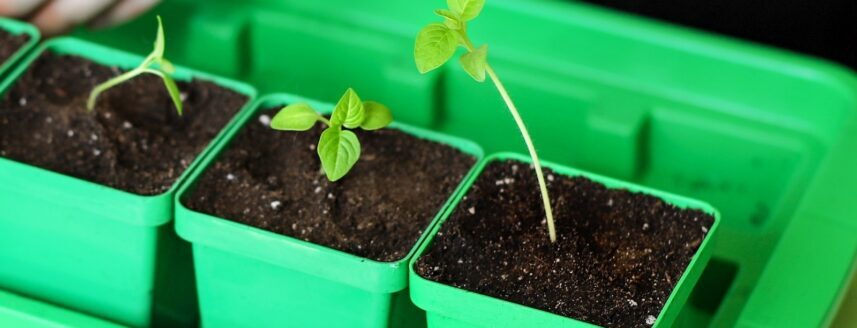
x=18, y=8
x=61, y=15
x=122, y=12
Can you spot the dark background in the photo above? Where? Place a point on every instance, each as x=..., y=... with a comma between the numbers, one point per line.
x=822, y=28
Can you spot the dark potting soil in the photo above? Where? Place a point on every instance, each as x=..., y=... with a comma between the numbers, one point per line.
x=273, y=180
x=617, y=257
x=133, y=140
x=10, y=43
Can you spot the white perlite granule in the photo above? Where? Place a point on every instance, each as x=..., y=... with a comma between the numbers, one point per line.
x=650, y=320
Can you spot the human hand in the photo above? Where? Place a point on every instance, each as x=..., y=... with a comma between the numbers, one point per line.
x=54, y=17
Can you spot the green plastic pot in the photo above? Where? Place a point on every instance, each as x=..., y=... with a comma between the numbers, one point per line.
x=21, y=312
x=17, y=28
x=248, y=277
x=89, y=247
x=449, y=306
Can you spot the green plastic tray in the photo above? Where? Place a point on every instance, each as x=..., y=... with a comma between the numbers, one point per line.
x=766, y=136
x=17, y=28
x=21, y=312
x=449, y=306
x=93, y=248
x=248, y=277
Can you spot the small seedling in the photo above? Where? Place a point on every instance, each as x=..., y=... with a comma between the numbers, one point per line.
x=155, y=63
x=338, y=148
x=436, y=44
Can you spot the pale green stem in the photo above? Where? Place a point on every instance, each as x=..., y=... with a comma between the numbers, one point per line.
x=530, y=147
x=536, y=163
x=324, y=120
x=93, y=96
x=99, y=89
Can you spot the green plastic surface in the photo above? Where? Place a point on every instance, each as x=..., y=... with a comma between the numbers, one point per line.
x=449, y=306
x=21, y=312
x=16, y=28
x=766, y=136
x=93, y=248
x=248, y=277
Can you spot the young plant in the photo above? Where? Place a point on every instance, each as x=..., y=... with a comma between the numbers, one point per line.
x=154, y=63
x=436, y=44
x=338, y=148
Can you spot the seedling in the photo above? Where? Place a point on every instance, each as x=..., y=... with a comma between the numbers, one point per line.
x=436, y=44
x=338, y=148
x=155, y=64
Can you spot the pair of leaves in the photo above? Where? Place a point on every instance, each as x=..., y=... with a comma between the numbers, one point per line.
x=436, y=43
x=155, y=64
x=337, y=148
x=350, y=112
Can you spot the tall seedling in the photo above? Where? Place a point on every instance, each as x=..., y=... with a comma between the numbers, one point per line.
x=154, y=63
x=436, y=44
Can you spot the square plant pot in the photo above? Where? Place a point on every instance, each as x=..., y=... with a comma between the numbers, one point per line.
x=16, y=29
x=94, y=248
x=251, y=277
x=449, y=306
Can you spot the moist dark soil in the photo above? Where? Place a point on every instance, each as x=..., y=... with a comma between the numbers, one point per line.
x=617, y=257
x=134, y=140
x=273, y=180
x=10, y=43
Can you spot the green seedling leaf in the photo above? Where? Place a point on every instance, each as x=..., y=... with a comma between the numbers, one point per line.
x=154, y=63
x=173, y=90
x=474, y=63
x=158, y=52
x=377, y=116
x=451, y=19
x=466, y=9
x=348, y=111
x=295, y=117
x=435, y=44
x=338, y=150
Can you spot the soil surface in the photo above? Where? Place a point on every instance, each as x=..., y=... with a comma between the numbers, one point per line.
x=134, y=140
x=273, y=180
x=10, y=43
x=617, y=257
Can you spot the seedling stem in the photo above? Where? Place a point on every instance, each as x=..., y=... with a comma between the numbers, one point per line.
x=530, y=147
